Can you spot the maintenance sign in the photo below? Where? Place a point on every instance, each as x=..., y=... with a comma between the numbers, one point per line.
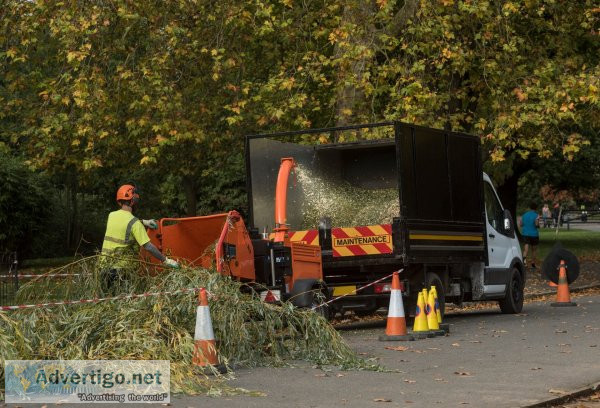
x=365, y=240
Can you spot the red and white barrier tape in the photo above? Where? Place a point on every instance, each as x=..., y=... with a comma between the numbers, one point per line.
x=96, y=300
x=54, y=275
x=356, y=291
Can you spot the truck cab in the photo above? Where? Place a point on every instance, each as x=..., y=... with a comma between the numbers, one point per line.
x=504, y=273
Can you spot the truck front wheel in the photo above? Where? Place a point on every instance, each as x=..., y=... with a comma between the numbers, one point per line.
x=513, y=300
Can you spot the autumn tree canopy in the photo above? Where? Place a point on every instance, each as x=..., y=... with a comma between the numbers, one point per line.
x=95, y=91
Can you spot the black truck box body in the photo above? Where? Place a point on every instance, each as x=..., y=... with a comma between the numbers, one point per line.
x=429, y=181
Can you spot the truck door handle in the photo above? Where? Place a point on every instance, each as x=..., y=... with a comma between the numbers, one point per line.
x=491, y=236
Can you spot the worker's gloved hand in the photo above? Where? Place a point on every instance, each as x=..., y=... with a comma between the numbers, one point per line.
x=171, y=263
x=152, y=224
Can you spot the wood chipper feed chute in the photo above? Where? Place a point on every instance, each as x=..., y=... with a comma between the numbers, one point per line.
x=219, y=240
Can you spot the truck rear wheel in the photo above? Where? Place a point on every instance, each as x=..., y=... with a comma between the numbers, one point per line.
x=318, y=302
x=434, y=280
x=513, y=300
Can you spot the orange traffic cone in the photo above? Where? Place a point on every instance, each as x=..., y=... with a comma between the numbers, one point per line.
x=396, y=320
x=205, y=352
x=563, y=297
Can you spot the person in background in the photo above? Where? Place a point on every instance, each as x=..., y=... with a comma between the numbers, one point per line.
x=555, y=213
x=123, y=233
x=546, y=215
x=530, y=222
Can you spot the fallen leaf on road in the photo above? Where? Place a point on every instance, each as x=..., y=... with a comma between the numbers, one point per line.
x=382, y=400
x=440, y=379
x=500, y=331
x=410, y=381
x=433, y=348
x=321, y=375
x=564, y=345
x=455, y=345
x=463, y=373
x=555, y=391
x=399, y=348
x=560, y=331
x=474, y=341
x=594, y=345
x=536, y=368
x=340, y=375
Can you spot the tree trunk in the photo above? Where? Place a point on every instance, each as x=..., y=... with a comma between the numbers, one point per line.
x=508, y=193
x=351, y=100
x=189, y=186
x=72, y=210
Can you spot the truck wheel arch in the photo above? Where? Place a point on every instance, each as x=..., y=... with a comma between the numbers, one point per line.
x=302, y=293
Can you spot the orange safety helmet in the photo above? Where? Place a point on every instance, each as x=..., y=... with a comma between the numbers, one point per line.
x=128, y=192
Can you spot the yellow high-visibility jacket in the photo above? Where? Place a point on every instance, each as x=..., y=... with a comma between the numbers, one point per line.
x=123, y=231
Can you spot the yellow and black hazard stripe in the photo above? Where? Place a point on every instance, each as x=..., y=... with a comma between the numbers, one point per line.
x=436, y=240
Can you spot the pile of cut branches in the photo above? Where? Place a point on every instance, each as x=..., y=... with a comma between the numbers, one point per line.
x=248, y=332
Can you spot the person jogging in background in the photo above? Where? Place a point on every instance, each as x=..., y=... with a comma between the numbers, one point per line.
x=546, y=216
x=530, y=222
x=123, y=232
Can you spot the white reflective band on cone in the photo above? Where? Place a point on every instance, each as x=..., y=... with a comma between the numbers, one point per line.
x=204, y=329
x=396, y=307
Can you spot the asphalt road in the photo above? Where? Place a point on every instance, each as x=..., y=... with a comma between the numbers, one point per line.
x=488, y=360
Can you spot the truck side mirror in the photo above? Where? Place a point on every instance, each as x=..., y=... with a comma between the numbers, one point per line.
x=509, y=226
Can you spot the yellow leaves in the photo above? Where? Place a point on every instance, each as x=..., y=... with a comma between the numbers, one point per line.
x=125, y=74
x=214, y=52
x=381, y=3
x=288, y=3
x=12, y=52
x=147, y=159
x=232, y=88
x=564, y=107
x=447, y=53
x=337, y=35
x=346, y=112
x=447, y=3
x=521, y=96
x=497, y=155
x=287, y=83
x=75, y=56
x=509, y=8
x=160, y=139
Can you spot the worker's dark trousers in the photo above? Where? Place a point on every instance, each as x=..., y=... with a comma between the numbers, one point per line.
x=109, y=279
